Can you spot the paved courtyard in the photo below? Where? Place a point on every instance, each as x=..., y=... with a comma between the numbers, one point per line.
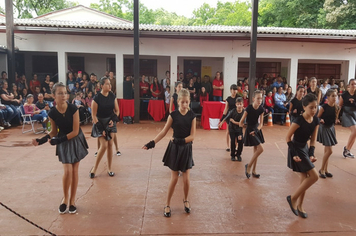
x=223, y=201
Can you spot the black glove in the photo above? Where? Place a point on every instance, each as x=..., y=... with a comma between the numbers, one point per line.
x=43, y=140
x=311, y=151
x=58, y=140
x=292, y=149
x=223, y=117
x=114, y=118
x=150, y=144
x=100, y=127
x=179, y=141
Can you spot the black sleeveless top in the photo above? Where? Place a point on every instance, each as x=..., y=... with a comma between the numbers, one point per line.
x=329, y=114
x=182, y=124
x=231, y=102
x=64, y=122
x=175, y=101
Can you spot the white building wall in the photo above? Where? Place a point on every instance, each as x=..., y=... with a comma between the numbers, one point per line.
x=181, y=48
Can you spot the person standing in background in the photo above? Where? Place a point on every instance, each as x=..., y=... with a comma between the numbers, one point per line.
x=218, y=86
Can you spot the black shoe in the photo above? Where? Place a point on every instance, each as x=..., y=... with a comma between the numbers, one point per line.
x=247, y=174
x=62, y=208
x=329, y=175
x=95, y=154
x=322, y=175
x=233, y=158
x=256, y=175
x=167, y=214
x=72, y=209
x=239, y=158
x=187, y=209
x=228, y=149
x=91, y=175
x=111, y=174
x=289, y=200
x=118, y=153
x=302, y=214
x=282, y=123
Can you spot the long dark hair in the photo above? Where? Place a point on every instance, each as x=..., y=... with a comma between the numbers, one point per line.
x=155, y=85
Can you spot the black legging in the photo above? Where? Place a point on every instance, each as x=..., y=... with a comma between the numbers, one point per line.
x=234, y=136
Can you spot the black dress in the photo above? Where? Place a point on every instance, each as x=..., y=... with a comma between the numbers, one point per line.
x=297, y=104
x=180, y=157
x=326, y=131
x=300, y=139
x=106, y=106
x=231, y=102
x=349, y=114
x=72, y=150
x=252, y=125
x=175, y=101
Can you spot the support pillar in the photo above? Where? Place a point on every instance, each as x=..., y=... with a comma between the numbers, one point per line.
x=62, y=67
x=119, y=61
x=293, y=73
x=352, y=70
x=230, y=73
x=174, y=72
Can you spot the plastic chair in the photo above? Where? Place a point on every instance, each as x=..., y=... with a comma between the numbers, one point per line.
x=195, y=106
x=27, y=120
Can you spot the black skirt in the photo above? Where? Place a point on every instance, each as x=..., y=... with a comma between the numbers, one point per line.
x=253, y=140
x=304, y=165
x=73, y=150
x=105, y=123
x=326, y=135
x=178, y=157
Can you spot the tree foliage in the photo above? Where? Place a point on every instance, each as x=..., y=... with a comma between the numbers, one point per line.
x=328, y=14
x=33, y=8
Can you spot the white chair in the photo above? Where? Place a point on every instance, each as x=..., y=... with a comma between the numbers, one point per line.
x=27, y=120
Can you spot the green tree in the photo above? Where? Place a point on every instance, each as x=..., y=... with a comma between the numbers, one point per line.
x=339, y=14
x=236, y=13
x=33, y=8
x=113, y=8
x=203, y=14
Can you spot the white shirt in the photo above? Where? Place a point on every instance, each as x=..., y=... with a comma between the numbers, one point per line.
x=324, y=89
x=167, y=95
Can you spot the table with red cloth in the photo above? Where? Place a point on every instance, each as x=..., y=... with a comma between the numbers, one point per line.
x=126, y=107
x=157, y=109
x=212, y=110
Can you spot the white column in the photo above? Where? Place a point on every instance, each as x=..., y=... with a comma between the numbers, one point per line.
x=62, y=66
x=174, y=72
x=352, y=69
x=293, y=73
x=119, y=61
x=230, y=73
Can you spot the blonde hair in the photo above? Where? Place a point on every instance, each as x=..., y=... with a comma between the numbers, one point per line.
x=183, y=93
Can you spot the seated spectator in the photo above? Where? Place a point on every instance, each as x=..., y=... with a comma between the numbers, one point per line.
x=34, y=83
x=24, y=95
x=8, y=99
x=35, y=94
x=70, y=82
x=264, y=85
x=280, y=104
x=3, y=116
x=41, y=104
x=289, y=94
x=36, y=113
x=191, y=90
x=269, y=103
x=278, y=83
x=325, y=86
x=341, y=87
x=245, y=98
x=332, y=83
x=79, y=78
x=285, y=88
x=77, y=101
x=91, y=84
x=85, y=81
x=22, y=84
x=16, y=93
x=45, y=84
x=48, y=96
x=89, y=100
x=204, y=96
x=75, y=89
x=155, y=88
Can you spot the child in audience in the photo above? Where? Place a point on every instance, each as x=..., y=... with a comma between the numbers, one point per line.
x=167, y=98
x=88, y=100
x=296, y=106
x=253, y=133
x=204, y=96
x=300, y=157
x=235, y=131
x=326, y=133
x=245, y=98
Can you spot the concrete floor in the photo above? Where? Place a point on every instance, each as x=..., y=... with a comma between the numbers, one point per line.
x=223, y=201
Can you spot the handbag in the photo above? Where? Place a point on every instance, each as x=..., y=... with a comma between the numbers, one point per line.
x=127, y=120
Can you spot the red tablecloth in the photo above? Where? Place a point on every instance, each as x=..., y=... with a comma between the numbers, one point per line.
x=126, y=107
x=157, y=109
x=212, y=110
